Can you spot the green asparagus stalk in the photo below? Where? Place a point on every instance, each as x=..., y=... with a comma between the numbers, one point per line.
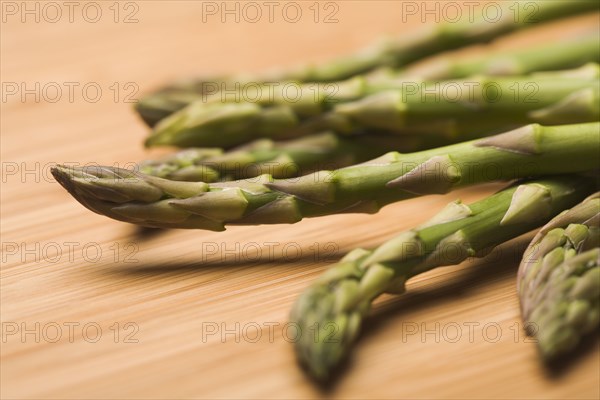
x=494, y=104
x=284, y=159
x=561, y=55
x=565, y=54
x=443, y=108
x=141, y=199
x=559, y=279
x=329, y=314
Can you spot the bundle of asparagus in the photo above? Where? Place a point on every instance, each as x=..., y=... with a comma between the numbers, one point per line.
x=566, y=54
x=380, y=138
x=401, y=51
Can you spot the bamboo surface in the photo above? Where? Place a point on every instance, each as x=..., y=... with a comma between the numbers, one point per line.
x=94, y=308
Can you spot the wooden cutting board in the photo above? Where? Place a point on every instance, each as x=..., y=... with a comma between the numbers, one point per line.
x=94, y=308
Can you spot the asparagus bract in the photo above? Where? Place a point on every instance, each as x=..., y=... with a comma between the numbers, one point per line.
x=531, y=150
x=559, y=279
x=335, y=305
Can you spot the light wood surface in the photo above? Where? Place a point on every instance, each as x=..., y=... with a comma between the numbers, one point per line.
x=65, y=268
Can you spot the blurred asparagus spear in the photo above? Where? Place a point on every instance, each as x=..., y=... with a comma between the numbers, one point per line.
x=284, y=159
x=559, y=279
x=570, y=53
x=444, y=108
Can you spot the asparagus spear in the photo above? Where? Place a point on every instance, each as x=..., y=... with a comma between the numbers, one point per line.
x=523, y=61
x=559, y=279
x=156, y=106
x=154, y=202
x=283, y=159
x=478, y=103
x=330, y=312
x=561, y=55
x=493, y=104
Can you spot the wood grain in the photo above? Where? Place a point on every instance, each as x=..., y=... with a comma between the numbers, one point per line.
x=63, y=266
